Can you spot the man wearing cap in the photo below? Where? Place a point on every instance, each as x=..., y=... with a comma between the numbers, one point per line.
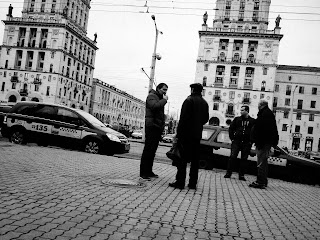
x=194, y=114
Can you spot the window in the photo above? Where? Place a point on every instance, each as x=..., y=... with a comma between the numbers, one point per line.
x=310, y=130
x=300, y=104
x=297, y=129
x=288, y=90
x=263, y=86
x=5, y=74
x=261, y=95
x=48, y=91
x=284, y=127
x=265, y=71
x=289, y=78
x=311, y=117
x=36, y=87
x=231, y=94
x=276, y=88
x=43, y=111
x=314, y=91
x=301, y=90
x=313, y=104
x=275, y=102
x=206, y=66
x=14, y=85
x=65, y=115
x=287, y=102
x=203, y=92
x=215, y=106
x=286, y=114
x=204, y=81
x=298, y=116
x=3, y=86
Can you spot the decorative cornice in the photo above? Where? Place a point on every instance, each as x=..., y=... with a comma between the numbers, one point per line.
x=241, y=34
x=283, y=109
x=236, y=63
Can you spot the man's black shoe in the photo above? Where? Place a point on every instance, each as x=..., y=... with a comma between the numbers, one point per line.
x=257, y=185
x=228, y=175
x=153, y=175
x=194, y=187
x=176, y=185
x=242, y=178
x=143, y=177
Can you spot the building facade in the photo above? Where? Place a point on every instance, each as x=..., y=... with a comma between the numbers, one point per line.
x=116, y=107
x=46, y=55
x=297, y=101
x=237, y=58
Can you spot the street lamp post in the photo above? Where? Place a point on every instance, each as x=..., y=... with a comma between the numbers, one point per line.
x=290, y=138
x=155, y=56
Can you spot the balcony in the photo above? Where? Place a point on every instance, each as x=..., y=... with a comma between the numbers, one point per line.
x=14, y=79
x=23, y=92
x=230, y=114
x=222, y=59
x=247, y=87
x=246, y=100
x=251, y=60
x=236, y=60
x=234, y=86
x=216, y=98
x=37, y=81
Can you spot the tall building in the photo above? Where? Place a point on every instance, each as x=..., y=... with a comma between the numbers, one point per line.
x=237, y=58
x=114, y=106
x=46, y=55
x=297, y=101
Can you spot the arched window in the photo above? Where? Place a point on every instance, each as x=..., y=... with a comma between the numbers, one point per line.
x=12, y=98
x=204, y=81
x=34, y=99
x=263, y=86
x=222, y=57
x=230, y=109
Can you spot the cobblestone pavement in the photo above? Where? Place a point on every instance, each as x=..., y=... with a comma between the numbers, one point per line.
x=49, y=193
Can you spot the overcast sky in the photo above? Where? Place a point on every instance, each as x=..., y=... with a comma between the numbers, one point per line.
x=126, y=35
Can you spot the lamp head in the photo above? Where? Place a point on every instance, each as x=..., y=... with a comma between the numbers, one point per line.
x=158, y=56
x=153, y=17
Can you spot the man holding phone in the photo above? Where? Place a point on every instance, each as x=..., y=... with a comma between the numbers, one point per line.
x=154, y=125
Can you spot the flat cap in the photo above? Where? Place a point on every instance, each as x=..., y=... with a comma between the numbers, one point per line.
x=197, y=86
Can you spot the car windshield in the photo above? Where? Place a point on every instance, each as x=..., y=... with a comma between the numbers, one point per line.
x=91, y=118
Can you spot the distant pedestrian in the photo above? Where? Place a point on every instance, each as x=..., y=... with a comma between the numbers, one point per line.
x=154, y=125
x=264, y=135
x=194, y=114
x=239, y=133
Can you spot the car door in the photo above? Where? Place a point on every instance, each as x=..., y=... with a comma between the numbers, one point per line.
x=39, y=122
x=67, y=128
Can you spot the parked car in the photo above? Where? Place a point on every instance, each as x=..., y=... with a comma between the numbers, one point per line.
x=4, y=109
x=51, y=124
x=215, y=151
x=137, y=134
x=168, y=138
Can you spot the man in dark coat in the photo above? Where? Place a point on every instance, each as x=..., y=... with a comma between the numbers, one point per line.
x=264, y=135
x=239, y=133
x=154, y=125
x=194, y=114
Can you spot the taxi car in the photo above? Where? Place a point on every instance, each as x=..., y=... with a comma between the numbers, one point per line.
x=52, y=124
x=215, y=151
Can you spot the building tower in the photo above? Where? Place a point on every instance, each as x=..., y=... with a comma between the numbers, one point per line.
x=237, y=58
x=46, y=55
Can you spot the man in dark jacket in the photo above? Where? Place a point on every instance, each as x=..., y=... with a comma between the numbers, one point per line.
x=194, y=114
x=264, y=135
x=239, y=133
x=154, y=125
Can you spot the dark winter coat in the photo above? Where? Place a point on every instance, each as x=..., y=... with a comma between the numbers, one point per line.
x=265, y=129
x=194, y=114
x=155, y=110
x=240, y=128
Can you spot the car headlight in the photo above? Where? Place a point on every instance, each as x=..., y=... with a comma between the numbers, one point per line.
x=113, y=137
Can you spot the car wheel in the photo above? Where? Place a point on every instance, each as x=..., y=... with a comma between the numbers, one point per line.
x=92, y=146
x=18, y=137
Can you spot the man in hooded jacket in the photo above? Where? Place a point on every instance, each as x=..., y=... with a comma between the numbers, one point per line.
x=154, y=125
x=194, y=114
